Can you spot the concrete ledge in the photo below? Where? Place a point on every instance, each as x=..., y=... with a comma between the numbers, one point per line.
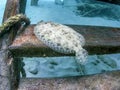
x=106, y=81
x=99, y=40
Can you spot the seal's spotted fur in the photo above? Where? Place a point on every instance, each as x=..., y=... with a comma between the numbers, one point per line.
x=62, y=39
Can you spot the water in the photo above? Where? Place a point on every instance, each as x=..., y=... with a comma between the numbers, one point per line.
x=2, y=8
x=48, y=67
x=79, y=12
x=71, y=12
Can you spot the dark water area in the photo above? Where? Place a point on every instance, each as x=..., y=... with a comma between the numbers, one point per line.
x=104, y=10
x=76, y=12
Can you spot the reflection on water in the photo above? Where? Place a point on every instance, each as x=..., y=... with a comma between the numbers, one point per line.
x=66, y=66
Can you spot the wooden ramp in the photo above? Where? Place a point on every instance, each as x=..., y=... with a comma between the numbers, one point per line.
x=99, y=40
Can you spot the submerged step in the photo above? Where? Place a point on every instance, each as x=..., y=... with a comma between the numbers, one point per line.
x=99, y=40
x=106, y=81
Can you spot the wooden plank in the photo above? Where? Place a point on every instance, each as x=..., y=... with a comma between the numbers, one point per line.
x=106, y=81
x=99, y=40
x=12, y=8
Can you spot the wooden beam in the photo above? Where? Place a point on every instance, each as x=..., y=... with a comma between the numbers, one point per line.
x=99, y=40
x=12, y=8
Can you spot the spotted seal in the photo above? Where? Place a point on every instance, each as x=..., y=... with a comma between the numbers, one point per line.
x=61, y=39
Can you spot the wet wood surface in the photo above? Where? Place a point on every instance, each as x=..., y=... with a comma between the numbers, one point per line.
x=99, y=40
